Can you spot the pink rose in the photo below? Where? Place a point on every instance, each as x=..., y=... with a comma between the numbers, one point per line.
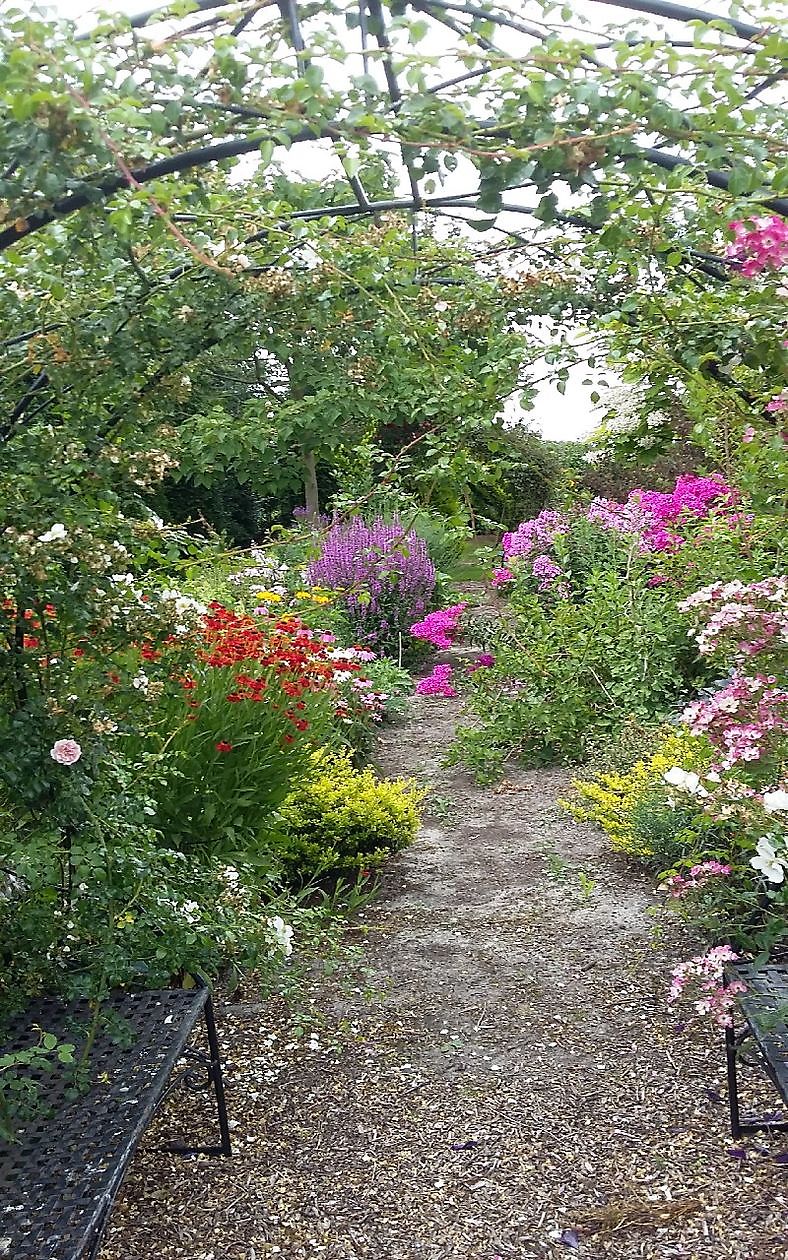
x=65, y=752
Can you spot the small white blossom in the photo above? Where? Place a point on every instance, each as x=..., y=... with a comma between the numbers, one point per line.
x=282, y=934
x=768, y=861
x=685, y=781
x=55, y=533
x=775, y=802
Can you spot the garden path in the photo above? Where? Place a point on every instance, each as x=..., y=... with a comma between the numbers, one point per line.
x=511, y=1088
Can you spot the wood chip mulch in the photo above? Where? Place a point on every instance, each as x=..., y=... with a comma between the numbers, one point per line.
x=498, y=1079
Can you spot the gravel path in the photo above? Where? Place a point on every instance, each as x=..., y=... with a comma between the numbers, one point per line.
x=499, y=1080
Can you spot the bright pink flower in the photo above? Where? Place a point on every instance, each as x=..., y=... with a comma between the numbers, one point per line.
x=500, y=577
x=760, y=244
x=437, y=683
x=438, y=628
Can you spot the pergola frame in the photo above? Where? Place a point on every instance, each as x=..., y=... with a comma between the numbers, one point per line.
x=372, y=22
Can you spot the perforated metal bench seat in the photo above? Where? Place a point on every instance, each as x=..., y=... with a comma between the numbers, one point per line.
x=59, y=1180
x=764, y=1008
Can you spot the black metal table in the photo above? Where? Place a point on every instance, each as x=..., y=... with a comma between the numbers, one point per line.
x=58, y=1183
x=765, y=1010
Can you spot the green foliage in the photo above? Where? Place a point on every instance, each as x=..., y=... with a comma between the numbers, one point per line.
x=575, y=673
x=20, y=1075
x=519, y=475
x=345, y=820
x=631, y=804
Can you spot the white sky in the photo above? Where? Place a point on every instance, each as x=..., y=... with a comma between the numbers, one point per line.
x=566, y=416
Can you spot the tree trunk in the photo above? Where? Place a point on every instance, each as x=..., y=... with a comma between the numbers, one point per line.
x=311, y=492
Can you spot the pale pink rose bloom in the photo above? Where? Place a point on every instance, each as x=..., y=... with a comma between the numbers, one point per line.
x=65, y=752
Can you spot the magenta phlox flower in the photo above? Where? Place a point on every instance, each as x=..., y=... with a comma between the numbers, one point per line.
x=501, y=577
x=485, y=660
x=438, y=683
x=652, y=515
x=439, y=628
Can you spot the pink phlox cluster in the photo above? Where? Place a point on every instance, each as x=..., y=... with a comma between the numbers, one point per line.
x=546, y=571
x=779, y=402
x=438, y=683
x=759, y=244
x=485, y=660
x=690, y=497
x=623, y=518
x=699, y=875
x=438, y=628
x=741, y=718
x=745, y=618
x=501, y=577
x=705, y=973
x=534, y=535
x=649, y=514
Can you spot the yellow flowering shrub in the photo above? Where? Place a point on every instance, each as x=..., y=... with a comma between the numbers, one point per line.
x=343, y=819
x=616, y=800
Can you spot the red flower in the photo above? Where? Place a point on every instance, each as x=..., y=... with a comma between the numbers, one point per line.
x=223, y=746
x=29, y=641
x=287, y=739
x=301, y=725
x=77, y=652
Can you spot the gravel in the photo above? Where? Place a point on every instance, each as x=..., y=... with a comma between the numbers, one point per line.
x=498, y=1077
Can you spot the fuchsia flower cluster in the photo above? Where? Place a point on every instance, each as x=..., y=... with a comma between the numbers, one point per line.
x=650, y=514
x=704, y=974
x=438, y=683
x=742, y=718
x=439, y=628
x=759, y=244
x=698, y=877
x=384, y=570
x=742, y=618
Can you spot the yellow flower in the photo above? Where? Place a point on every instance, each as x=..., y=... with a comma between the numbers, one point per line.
x=321, y=599
x=270, y=597
x=303, y=594
x=124, y=920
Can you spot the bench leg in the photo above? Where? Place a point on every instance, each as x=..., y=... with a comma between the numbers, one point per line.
x=215, y=1072
x=733, y=1084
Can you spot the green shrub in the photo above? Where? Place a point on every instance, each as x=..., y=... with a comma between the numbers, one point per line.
x=575, y=673
x=632, y=806
x=342, y=819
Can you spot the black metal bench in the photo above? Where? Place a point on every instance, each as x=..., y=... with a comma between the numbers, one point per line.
x=59, y=1181
x=764, y=1008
